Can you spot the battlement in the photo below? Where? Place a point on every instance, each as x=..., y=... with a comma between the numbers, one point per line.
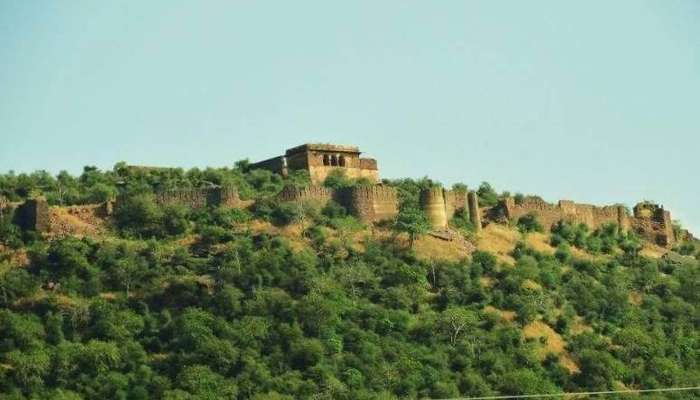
x=200, y=198
x=565, y=210
x=309, y=193
x=367, y=203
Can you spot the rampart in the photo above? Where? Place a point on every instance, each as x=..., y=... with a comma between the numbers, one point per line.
x=653, y=223
x=368, y=203
x=549, y=214
x=33, y=215
x=432, y=201
x=200, y=198
x=315, y=193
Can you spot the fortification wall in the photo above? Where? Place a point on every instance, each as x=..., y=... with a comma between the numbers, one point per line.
x=310, y=193
x=33, y=215
x=367, y=203
x=653, y=223
x=549, y=214
x=370, y=203
x=200, y=198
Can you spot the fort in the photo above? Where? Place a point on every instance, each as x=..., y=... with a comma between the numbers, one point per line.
x=371, y=201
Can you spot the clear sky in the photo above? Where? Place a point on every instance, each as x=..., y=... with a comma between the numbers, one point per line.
x=594, y=101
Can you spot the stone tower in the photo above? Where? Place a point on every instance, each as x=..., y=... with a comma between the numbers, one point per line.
x=432, y=202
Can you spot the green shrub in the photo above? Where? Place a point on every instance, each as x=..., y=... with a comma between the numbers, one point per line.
x=529, y=223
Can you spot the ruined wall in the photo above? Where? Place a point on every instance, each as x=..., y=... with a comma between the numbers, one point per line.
x=275, y=164
x=549, y=214
x=474, y=211
x=653, y=223
x=200, y=198
x=370, y=203
x=33, y=215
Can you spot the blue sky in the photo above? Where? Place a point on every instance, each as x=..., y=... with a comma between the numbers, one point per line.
x=595, y=101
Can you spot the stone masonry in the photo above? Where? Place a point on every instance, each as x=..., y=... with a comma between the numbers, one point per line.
x=320, y=160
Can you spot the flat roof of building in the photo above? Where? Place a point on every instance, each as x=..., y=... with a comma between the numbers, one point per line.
x=323, y=147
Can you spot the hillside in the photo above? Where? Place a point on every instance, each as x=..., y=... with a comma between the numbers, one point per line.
x=127, y=293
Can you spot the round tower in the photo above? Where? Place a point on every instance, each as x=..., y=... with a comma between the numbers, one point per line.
x=432, y=202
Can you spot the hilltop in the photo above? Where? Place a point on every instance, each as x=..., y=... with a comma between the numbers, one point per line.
x=280, y=279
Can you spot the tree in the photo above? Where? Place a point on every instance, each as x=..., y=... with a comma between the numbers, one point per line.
x=413, y=222
x=529, y=223
x=140, y=215
x=487, y=195
x=457, y=321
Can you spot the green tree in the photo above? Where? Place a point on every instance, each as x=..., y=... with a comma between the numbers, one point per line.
x=413, y=222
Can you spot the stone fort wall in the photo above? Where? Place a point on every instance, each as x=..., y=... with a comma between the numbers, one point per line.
x=653, y=223
x=649, y=221
x=200, y=198
x=33, y=215
x=440, y=206
x=549, y=214
x=370, y=203
x=367, y=203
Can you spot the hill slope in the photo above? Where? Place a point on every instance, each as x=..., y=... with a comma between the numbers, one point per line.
x=274, y=302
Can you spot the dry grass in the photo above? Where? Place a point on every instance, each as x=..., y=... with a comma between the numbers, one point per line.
x=579, y=326
x=554, y=344
x=532, y=285
x=486, y=282
x=64, y=221
x=108, y=295
x=539, y=242
x=652, y=251
x=635, y=298
x=500, y=240
x=290, y=232
x=505, y=315
x=432, y=248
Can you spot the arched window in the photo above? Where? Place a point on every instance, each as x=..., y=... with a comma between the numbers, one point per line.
x=326, y=160
x=341, y=161
x=334, y=160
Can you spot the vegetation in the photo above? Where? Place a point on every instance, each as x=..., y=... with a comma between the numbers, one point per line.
x=176, y=303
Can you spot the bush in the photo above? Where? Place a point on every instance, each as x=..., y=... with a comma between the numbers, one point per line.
x=487, y=195
x=286, y=213
x=529, y=223
x=139, y=215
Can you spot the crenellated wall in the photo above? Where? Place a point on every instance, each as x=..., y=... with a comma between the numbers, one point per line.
x=200, y=198
x=368, y=203
x=549, y=214
x=310, y=193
